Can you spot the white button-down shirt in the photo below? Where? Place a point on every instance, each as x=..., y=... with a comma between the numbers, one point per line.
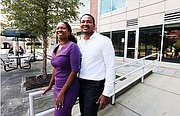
x=98, y=61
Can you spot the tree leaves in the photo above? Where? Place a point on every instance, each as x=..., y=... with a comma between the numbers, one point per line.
x=33, y=15
x=40, y=17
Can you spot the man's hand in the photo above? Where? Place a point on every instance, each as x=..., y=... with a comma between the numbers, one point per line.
x=102, y=101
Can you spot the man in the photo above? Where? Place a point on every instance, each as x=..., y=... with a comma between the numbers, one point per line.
x=21, y=51
x=97, y=73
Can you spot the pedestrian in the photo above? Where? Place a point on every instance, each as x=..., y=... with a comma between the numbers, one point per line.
x=176, y=53
x=21, y=50
x=97, y=72
x=66, y=63
x=11, y=52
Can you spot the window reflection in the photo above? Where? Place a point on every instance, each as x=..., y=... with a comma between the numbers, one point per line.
x=106, y=34
x=118, y=39
x=105, y=6
x=130, y=53
x=116, y=4
x=131, y=39
x=171, y=45
x=149, y=40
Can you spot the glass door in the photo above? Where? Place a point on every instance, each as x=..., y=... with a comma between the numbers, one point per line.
x=131, y=43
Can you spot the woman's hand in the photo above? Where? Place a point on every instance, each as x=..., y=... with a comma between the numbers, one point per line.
x=45, y=89
x=60, y=100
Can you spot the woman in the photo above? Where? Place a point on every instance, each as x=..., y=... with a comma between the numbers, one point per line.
x=66, y=62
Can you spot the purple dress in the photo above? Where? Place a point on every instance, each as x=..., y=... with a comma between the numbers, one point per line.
x=67, y=60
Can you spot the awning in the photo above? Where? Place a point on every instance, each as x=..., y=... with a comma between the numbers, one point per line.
x=16, y=33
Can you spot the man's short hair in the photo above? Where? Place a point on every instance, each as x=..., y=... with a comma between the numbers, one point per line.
x=90, y=16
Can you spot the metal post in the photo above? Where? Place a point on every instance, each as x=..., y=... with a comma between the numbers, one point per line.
x=31, y=104
x=113, y=97
x=162, y=41
x=157, y=62
x=142, y=78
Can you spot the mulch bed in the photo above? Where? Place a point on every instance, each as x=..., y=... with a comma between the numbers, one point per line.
x=34, y=82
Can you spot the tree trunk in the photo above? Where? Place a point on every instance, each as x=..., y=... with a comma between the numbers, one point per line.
x=34, y=51
x=45, y=25
x=44, y=57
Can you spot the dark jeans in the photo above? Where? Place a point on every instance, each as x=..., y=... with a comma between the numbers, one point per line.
x=89, y=93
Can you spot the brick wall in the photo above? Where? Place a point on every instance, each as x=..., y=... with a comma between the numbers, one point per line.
x=94, y=9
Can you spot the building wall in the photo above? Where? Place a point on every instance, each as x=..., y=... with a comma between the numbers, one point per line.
x=153, y=25
x=94, y=10
x=148, y=12
x=2, y=38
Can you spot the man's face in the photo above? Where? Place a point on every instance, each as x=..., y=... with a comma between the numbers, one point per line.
x=86, y=25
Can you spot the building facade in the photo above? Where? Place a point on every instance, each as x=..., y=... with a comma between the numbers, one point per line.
x=3, y=24
x=140, y=27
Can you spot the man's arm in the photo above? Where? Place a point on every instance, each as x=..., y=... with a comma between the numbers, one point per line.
x=109, y=61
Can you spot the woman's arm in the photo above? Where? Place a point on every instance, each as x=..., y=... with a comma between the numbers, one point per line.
x=51, y=83
x=61, y=95
x=69, y=81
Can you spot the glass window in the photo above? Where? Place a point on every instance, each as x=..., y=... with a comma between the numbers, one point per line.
x=105, y=6
x=84, y=9
x=131, y=44
x=171, y=43
x=142, y=0
x=117, y=4
x=149, y=40
x=106, y=34
x=118, y=42
x=131, y=39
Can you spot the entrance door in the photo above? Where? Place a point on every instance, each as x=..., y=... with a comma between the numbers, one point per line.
x=132, y=43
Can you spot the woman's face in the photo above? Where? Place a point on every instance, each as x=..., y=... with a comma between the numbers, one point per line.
x=62, y=31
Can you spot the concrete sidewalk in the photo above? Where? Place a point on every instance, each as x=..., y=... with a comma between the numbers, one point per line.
x=14, y=100
x=159, y=95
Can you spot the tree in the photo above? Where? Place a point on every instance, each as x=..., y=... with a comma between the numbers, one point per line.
x=40, y=17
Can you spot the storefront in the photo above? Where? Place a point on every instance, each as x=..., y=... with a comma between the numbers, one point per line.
x=138, y=30
x=137, y=43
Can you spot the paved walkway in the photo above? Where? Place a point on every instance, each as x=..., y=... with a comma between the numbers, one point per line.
x=159, y=95
x=14, y=100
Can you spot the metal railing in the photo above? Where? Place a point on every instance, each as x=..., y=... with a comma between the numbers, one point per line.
x=32, y=106
x=133, y=71
x=39, y=93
